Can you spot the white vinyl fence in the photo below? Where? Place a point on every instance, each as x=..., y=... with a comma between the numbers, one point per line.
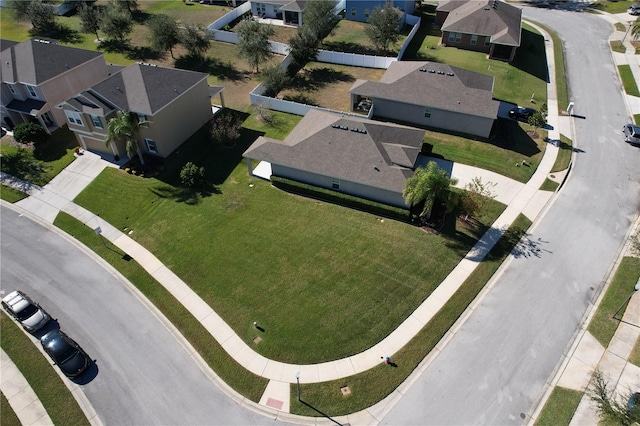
x=410, y=20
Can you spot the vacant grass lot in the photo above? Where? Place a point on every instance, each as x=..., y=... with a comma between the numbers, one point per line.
x=327, y=85
x=324, y=281
x=54, y=395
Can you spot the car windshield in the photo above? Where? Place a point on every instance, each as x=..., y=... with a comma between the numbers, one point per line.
x=27, y=312
x=65, y=356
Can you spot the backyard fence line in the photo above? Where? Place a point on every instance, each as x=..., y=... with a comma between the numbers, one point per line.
x=354, y=59
x=411, y=20
x=221, y=22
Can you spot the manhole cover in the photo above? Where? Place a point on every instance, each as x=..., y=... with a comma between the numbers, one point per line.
x=257, y=340
x=345, y=391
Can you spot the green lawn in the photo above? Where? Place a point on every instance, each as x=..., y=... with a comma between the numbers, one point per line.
x=603, y=326
x=40, y=164
x=53, y=394
x=564, y=154
x=255, y=253
x=560, y=407
x=634, y=357
x=350, y=36
x=11, y=195
x=373, y=385
x=612, y=6
x=628, y=81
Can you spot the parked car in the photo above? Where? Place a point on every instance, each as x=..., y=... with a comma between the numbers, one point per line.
x=634, y=9
x=631, y=134
x=521, y=113
x=28, y=313
x=65, y=352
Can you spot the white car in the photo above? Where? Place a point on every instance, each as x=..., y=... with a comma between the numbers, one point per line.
x=26, y=311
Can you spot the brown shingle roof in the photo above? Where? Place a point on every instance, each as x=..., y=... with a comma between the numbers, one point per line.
x=497, y=19
x=447, y=88
x=380, y=155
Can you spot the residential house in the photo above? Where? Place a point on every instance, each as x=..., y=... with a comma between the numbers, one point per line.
x=360, y=10
x=289, y=11
x=490, y=26
x=432, y=95
x=38, y=74
x=174, y=103
x=356, y=156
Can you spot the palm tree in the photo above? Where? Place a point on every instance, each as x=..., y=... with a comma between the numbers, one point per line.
x=635, y=29
x=124, y=126
x=428, y=184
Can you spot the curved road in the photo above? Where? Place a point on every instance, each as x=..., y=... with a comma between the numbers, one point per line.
x=142, y=374
x=494, y=369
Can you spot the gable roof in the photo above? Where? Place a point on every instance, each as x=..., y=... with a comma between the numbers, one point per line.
x=380, y=155
x=497, y=19
x=432, y=84
x=35, y=61
x=145, y=89
x=288, y=5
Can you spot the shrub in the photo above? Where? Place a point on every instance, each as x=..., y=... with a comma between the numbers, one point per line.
x=191, y=175
x=29, y=132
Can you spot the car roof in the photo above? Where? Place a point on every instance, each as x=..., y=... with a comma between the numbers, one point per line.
x=633, y=127
x=16, y=300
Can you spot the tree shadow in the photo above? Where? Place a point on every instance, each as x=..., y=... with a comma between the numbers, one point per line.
x=318, y=78
x=190, y=196
x=349, y=47
x=59, y=32
x=508, y=134
x=224, y=71
x=141, y=53
x=301, y=98
x=140, y=17
x=115, y=46
x=531, y=55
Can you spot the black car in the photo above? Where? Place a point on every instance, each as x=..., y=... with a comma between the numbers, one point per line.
x=521, y=113
x=65, y=352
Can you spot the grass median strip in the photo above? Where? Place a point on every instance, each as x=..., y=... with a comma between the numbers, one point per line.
x=7, y=415
x=243, y=381
x=560, y=407
x=45, y=382
x=375, y=384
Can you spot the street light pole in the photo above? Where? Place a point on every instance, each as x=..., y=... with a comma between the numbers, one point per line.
x=635, y=288
x=298, y=381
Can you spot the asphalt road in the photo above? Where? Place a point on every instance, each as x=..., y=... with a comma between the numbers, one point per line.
x=142, y=373
x=494, y=369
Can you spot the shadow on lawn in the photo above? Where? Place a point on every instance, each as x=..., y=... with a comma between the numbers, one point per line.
x=509, y=135
x=318, y=78
x=531, y=57
x=224, y=71
x=349, y=47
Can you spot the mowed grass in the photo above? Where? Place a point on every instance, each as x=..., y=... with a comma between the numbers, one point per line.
x=560, y=407
x=564, y=154
x=327, y=85
x=11, y=195
x=503, y=155
x=53, y=394
x=628, y=81
x=7, y=415
x=603, y=326
x=324, y=281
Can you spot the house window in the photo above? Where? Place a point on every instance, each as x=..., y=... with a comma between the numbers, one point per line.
x=474, y=39
x=74, y=117
x=12, y=88
x=261, y=8
x=366, y=13
x=151, y=146
x=487, y=41
x=458, y=37
x=427, y=112
x=141, y=117
x=46, y=117
x=276, y=10
x=452, y=37
x=353, y=11
x=32, y=91
x=95, y=120
x=335, y=183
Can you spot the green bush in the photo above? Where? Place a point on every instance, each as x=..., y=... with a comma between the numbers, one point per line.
x=340, y=198
x=191, y=175
x=29, y=132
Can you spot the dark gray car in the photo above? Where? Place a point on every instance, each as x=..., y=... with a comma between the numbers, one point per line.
x=631, y=134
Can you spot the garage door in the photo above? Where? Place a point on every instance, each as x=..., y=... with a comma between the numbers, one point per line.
x=93, y=144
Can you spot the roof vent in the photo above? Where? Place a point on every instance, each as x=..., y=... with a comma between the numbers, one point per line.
x=423, y=70
x=376, y=168
x=335, y=126
x=440, y=72
x=450, y=74
x=432, y=71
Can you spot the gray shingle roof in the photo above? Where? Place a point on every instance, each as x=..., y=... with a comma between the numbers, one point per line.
x=500, y=20
x=34, y=62
x=145, y=88
x=381, y=155
x=448, y=88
